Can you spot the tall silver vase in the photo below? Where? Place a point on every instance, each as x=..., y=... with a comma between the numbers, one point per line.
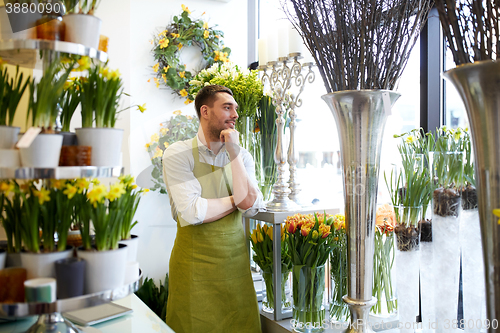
x=479, y=86
x=360, y=116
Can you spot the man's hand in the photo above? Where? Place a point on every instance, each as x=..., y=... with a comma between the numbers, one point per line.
x=231, y=138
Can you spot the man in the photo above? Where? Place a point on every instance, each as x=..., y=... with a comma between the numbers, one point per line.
x=211, y=182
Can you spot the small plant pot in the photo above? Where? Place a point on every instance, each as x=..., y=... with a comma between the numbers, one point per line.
x=44, y=152
x=8, y=136
x=105, y=270
x=10, y=158
x=75, y=156
x=41, y=265
x=132, y=246
x=70, y=273
x=13, y=260
x=69, y=138
x=83, y=29
x=106, y=144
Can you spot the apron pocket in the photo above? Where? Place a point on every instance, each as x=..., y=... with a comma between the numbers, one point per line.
x=220, y=257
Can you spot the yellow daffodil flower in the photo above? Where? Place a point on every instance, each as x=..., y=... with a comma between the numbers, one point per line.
x=189, y=117
x=115, y=74
x=155, y=137
x=166, y=144
x=205, y=25
x=174, y=35
x=164, y=43
x=70, y=191
x=57, y=183
x=133, y=186
x=183, y=93
x=127, y=180
x=158, y=153
x=165, y=69
x=83, y=63
x=147, y=145
x=115, y=191
x=163, y=131
x=410, y=139
x=163, y=33
x=43, y=195
x=82, y=184
x=156, y=66
x=142, y=107
x=497, y=213
x=188, y=101
x=182, y=74
x=177, y=112
x=179, y=46
x=164, y=77
x=185, y=9
x=95, y=181
x=6, y=187
x=157, y=81
x=97, y=194
x=206, y=33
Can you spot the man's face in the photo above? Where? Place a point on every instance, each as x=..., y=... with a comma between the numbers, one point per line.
x=222, y=115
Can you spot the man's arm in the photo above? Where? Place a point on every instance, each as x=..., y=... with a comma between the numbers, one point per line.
x=185, y=190
x=244, y=191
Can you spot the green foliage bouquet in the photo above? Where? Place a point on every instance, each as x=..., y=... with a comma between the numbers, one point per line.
x=178, y=128
x=339, y=311
x=10, y=202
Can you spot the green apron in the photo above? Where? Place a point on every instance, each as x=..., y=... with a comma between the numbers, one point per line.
x=210, y=284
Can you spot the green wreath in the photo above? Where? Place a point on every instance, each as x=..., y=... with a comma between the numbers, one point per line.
x=184, y=31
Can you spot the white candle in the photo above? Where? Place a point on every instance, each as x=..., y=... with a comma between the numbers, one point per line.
x=272, y=47
x=262, y=51
x=295, y=44
x=283, y=41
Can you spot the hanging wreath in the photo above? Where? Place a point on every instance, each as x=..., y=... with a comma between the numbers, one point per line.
x=184, y=31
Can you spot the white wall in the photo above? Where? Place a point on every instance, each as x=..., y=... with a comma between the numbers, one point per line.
x=130, y=25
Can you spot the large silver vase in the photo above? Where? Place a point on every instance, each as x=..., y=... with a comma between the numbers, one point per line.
x=360, y=116
x=479, y=86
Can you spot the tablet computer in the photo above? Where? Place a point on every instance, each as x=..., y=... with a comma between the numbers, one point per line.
x=96, y=314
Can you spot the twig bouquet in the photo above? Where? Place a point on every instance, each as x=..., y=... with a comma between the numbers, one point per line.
x=358, y=45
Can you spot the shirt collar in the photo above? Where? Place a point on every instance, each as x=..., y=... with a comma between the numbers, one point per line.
x=202, y=143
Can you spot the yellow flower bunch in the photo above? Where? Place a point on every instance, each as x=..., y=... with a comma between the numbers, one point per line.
x=6, y=188
x=262, y=245
x=496, y=212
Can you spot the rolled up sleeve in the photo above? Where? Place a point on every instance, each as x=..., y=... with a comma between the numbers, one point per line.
x=182, y=186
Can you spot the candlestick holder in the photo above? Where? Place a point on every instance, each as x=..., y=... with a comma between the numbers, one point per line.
x=283, y=73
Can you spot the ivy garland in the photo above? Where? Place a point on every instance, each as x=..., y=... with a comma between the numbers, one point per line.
x=185, y=31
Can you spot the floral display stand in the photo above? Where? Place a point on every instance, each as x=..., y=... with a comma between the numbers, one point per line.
x=278, y=218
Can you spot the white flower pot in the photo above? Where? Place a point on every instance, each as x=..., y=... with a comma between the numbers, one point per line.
x=10, y=158
x=131, y=272
x=8, y=136
x=106, y=144
x=132, y=245
x=3, y=256
x=82, y=29
x=44, y=151
x=40, y=265
x=105, y=270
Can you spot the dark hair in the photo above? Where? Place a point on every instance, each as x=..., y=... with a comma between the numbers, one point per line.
x=206, y=96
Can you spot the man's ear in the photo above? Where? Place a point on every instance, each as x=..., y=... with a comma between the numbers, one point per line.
x=204, y=111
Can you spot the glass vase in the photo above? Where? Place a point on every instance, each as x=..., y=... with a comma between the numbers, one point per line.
x=309, y=311
x=384, y=273
x=473, y=288
x=245, y=125
x=268, y=296
x=407, y=233
x=339, y=311
x=427, y=274
x=447, y=175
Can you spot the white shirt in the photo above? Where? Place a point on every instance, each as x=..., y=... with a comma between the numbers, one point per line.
x=184, y=189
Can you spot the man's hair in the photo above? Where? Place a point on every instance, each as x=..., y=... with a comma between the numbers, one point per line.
x=206, y=96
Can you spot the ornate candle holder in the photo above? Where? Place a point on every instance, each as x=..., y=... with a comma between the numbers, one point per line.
x=284, y=72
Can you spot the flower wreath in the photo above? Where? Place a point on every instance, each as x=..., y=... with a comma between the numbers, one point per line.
x=184, y=31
